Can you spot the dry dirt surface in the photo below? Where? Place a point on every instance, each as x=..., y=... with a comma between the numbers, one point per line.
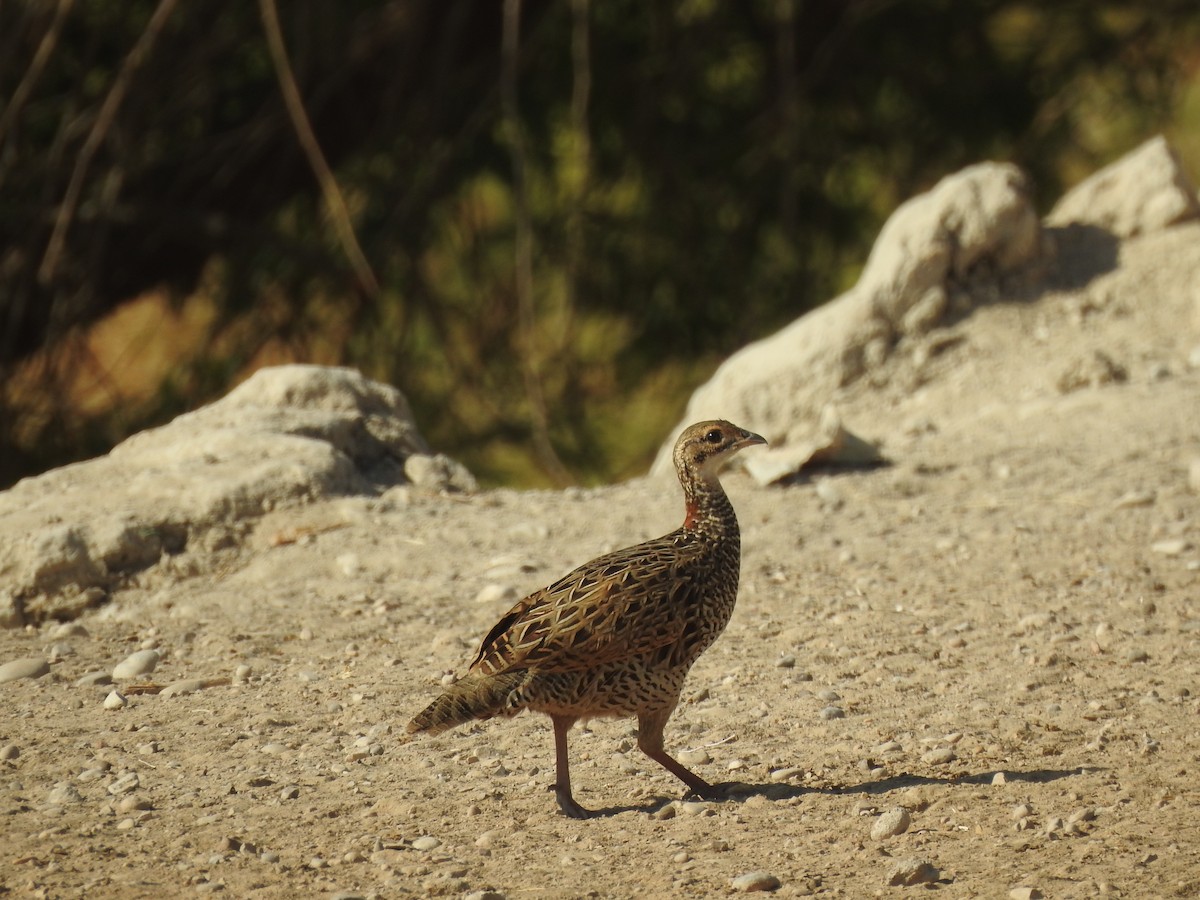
x=997, y=633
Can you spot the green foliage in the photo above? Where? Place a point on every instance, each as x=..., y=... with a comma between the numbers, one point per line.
x=702, y=174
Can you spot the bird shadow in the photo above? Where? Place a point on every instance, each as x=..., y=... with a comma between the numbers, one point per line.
x=739, y=791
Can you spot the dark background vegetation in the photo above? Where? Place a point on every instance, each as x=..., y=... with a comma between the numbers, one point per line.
x=545, y=222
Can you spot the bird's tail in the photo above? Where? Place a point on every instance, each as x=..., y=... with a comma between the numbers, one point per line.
x=473, y=697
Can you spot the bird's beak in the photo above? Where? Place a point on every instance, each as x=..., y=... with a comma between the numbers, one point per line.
x=750, y=439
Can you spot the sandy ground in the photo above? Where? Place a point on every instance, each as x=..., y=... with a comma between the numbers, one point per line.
x=998, y=632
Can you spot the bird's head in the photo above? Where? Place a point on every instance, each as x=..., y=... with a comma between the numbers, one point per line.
x=704, y=448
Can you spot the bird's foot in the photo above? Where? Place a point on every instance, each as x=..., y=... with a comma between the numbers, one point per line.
x=567, y=804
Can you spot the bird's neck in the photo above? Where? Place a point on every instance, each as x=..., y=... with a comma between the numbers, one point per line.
x=708, y=510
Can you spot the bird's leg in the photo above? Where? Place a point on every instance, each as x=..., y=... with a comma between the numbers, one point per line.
x=650, y=742
x=562, y=768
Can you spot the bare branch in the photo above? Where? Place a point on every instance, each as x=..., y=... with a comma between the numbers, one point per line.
x=36, y=66
x=104, y=119
x=334, y=201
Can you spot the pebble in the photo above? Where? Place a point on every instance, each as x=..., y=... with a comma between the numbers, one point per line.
x=694, y=757
x=426, y=842
x=485, y=895
x=10, y=751
x=891, y=823
x=32, y=667
x=1025, y=893
x=60, y=650
x=124, y=783
x=289, y=792
x=242, y=673
x=62, y=794
x=999, y=778
x=940, y=756
x=115, y=700
x=91, y=679
x=912, y=870
x=497, y=594
x=142, y=662
x=1170, y=547
x=832, y=712
x=68, y=630
x=185, y=686
x=780, y=775
x=132, y=804
x=756, y=881
x=1135, y=498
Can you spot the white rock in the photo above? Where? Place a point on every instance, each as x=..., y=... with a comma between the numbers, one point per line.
x=31, y=667
x=910, y=871
x=124, y=783
x=426, y=842
x=141, y=662
x=115, y=700
x=891, y=823
x=183, y=686
x=778, y=386
x=1143, y=191
x=755, y=881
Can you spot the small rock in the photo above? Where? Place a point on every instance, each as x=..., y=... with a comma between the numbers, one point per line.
x=940, y=756
x=31, y=667
x=485, y=895
x=185, y=686
x=242, y=674
x=68, y=630
x=1025, y=893
x=426, y=842
x=497, y=594
x=1170, y=547
x=115, y=700
x=832, y=712
x=756, y=881
x=694, y=757
x=1194, y=466
x=891, y=823
x=132, y=804
x=912, y=870
x=92, y=679
x=1131, y=499
x=124, y=783
x=289, y=792
x=999, y=778
x=142, y=662
x=10, y=751
x=780, y=775
x=62, y=794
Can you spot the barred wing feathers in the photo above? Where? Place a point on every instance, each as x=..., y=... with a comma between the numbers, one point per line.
x=617, y=606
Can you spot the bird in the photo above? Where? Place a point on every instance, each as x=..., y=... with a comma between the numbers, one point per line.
x=617, y=635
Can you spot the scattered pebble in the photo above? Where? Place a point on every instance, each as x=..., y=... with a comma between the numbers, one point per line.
x=91, y=679
x=891, y=823
x=1135, y=498
x=62, y=794
x=912, y=870
x=426, y=842
x=10, y=751
x=185, y=686
x=115, y=700
x=142, y=662
x=1025, y=893
x=485, y=895
x=756, y=881
x=999, y=778
x=32, y=667
x=124, y=783
x=68, y=630
x=781, y=775
x=832, y=712
x=1171, y=547
x=694, y=757
x=940, y=756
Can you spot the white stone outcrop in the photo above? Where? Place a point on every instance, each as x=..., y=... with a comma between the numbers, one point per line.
x=288, y=434
x=778, y=386
x=1143, y=191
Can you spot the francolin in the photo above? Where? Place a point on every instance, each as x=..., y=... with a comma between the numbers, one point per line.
x=617, y=636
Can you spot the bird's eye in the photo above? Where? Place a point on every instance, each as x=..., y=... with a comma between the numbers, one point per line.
x=714, y=436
